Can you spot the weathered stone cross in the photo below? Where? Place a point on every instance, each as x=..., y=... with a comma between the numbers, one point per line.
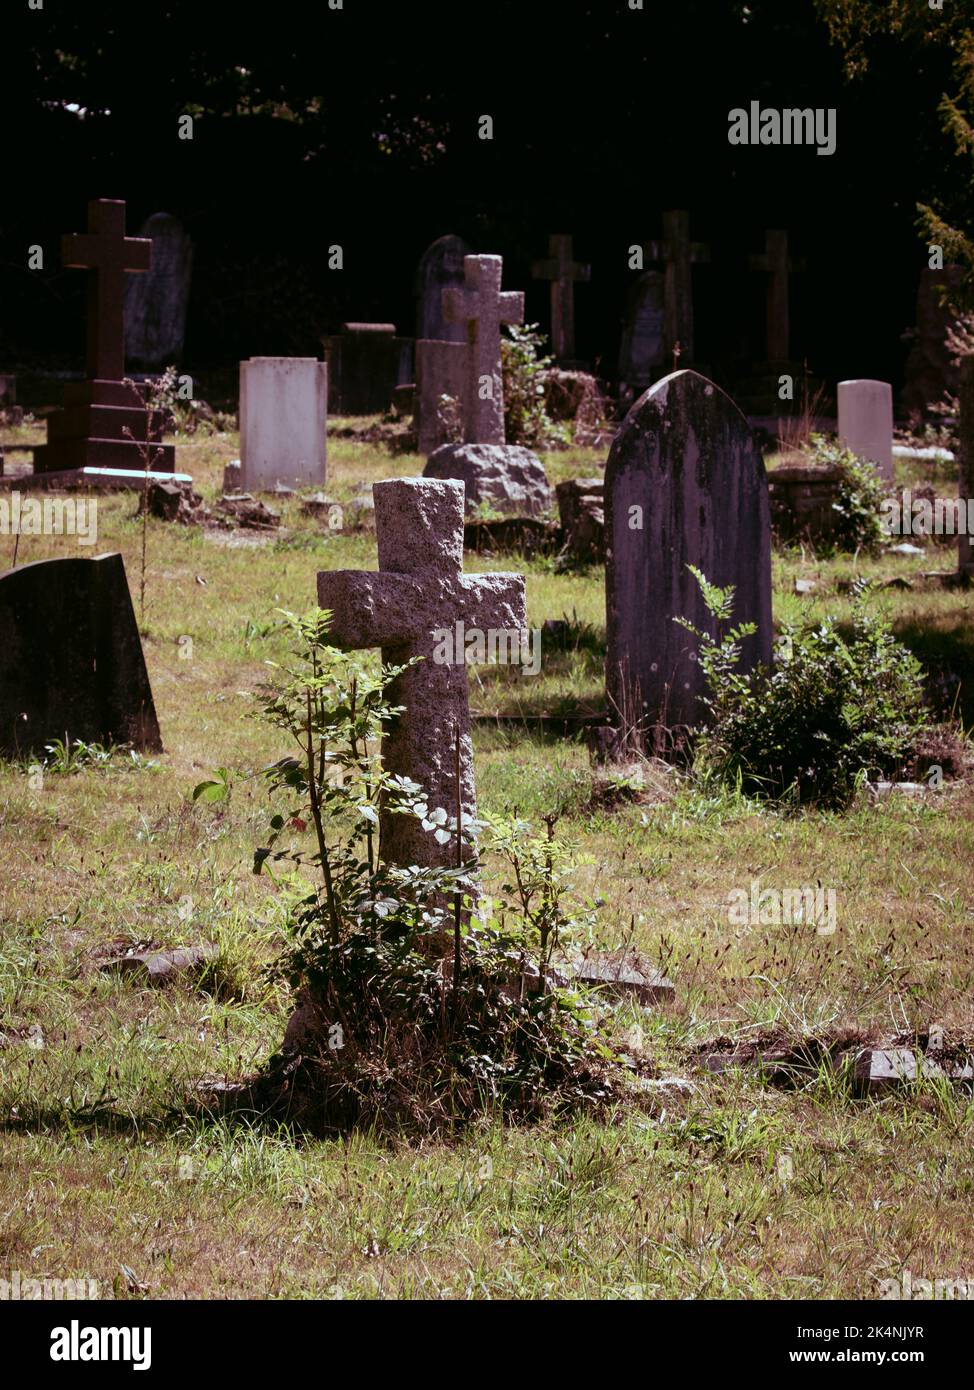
x=421, y=589
x=678, y=254
x=483, y=308
x=562, y=271
x=776, y=264
x=106, y=251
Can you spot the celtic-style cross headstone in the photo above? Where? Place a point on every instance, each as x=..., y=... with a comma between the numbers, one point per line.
x=419, y=591
x=482, y=306
x=562, y=271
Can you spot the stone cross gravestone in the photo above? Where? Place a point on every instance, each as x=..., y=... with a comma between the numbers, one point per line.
x=156, y=303
x=562, y=271
x=678, y=254
x=419, y=591
x=684, y=485
x=641, y=358
x=965, y=474
x=71, y=663
x=283, y=422
x=101, y=413
x=777, y=266
x=440, y=267
x=483, y=307
x=866, y=422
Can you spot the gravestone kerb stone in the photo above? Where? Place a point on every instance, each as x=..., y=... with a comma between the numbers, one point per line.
x=420, y=590
x=684, y=485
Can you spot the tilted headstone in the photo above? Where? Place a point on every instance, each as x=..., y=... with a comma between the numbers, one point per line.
x=71, y=662
x=641, y=350
x=283, y=422
x=366, y=362
x=866, y=422
x=440, y=267
x=483, y=308
x=102, y=412
x=684, y=485
x=442, y=370
x=421, y=588
x=156, y=303
x=562, y=270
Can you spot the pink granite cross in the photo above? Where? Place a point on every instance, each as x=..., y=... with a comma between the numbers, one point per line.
x=108, y=253
x=482, y=306
x=419, y=591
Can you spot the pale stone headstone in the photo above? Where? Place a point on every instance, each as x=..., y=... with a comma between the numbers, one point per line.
x=562, y=270
x=71, y=662
x=442, y=369
x=641, y=353
x=440, y=267
x=483, y=308
x=684, y=485
x=866, y=422
x=156, y=303
x=421, y=590
x=283, y=422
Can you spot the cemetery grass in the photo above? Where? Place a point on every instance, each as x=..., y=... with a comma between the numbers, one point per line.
x=728, y=1186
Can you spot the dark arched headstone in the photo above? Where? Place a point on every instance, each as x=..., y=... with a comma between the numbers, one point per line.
x=684, y=485
x=441, y=265
x=71, y=663
x=156, y=303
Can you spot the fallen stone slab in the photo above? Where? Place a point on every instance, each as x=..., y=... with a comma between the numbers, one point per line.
x=247, y=511
x=877, y=1069
x=627, y=976
x=31, y=1036
x=159, y=967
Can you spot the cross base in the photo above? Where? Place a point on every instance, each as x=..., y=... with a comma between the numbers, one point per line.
x=90, y=432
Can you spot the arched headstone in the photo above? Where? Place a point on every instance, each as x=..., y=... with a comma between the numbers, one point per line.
x=156, y=303
x=440, y=267
x=684, y=485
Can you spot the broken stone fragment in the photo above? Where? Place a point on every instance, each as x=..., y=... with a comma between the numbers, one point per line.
x=158, y=967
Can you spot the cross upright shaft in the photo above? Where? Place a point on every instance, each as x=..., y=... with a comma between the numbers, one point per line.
x=421, y=588
x=107, y=253
x=562, y=271
x=483, y=307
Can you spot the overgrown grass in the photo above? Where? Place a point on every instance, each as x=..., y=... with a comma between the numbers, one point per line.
x=722, y=1187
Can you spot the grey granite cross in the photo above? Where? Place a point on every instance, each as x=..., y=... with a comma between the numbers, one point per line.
x=421, y=589
x=562, y=271
x=482, y=306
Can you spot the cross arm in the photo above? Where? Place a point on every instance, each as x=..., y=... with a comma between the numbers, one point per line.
x=510, y=306
x=371, y=609
x=494, y=601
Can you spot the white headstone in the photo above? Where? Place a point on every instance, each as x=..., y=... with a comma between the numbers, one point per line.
x=866, y=422
x=283, y=421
